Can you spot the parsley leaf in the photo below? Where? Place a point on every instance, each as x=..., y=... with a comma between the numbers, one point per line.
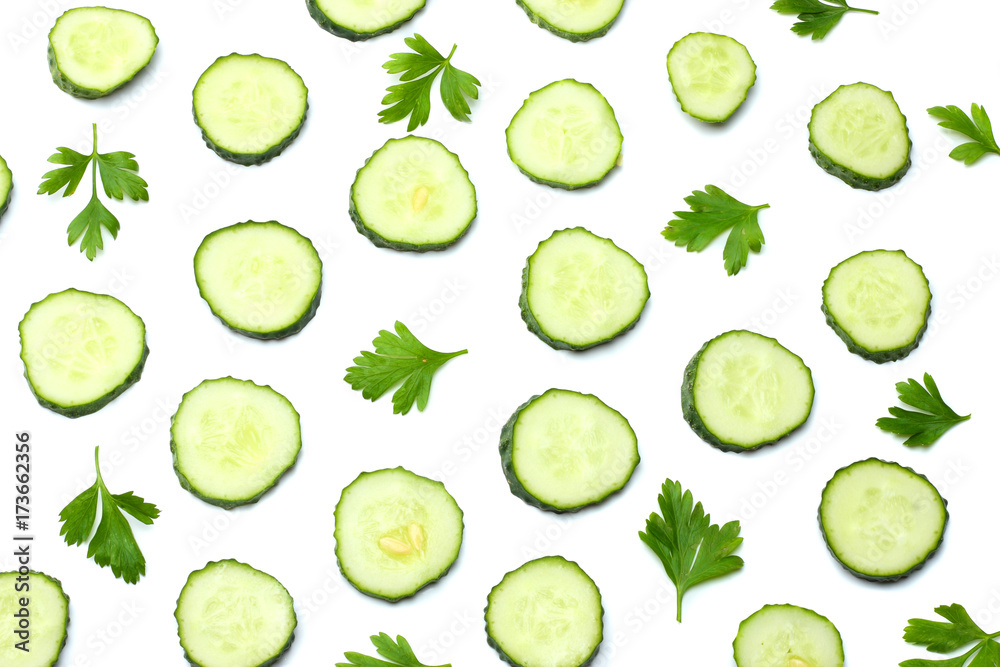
x=398, y=357
x=398, y=653
x=113, y=543
x=691, y=548
x=957, y=633
x=119, y=178
x=978, y=128
x=816, y=18
x=925, y=427
x=412, y=97
x=713, y=212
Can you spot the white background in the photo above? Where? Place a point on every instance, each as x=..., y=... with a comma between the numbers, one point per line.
x=943, y=214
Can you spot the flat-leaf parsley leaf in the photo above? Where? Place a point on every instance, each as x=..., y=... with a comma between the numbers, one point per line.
x=814, y=17
x=978, y=128
x=957, y=633
x=397, y=653
x=925, y=427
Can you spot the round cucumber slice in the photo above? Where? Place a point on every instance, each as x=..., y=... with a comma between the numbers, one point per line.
x=784, y=635
x=396, y=532
x=81, y=351
x=358, y=20
x=48, y=617
x=94, y=51
x=859, y=135
x=880, y=520
x=546, y=613
x=711, y=75
x=6, y=186
x=413, y=194
x=262, y=279
x=232, y=440
x=565, y=135
x=564, y=450
x=579, y=290
x=743, y=391
x=879, y=303
x=249, y=108
x=575, y=20
x=232, y=615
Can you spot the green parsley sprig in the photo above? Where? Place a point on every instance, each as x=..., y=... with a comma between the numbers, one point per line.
x=957, y=633
x=816, y=18
x=931, y=419
x=978, y=128
x=397, y=653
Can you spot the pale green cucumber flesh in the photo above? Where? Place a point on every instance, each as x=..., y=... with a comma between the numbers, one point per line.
x=710, y=75
x=48, y=616
x=575, y=20
x=358, y=20
x=784, y=635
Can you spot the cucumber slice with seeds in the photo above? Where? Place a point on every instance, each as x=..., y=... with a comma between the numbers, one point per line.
x=546, y=613
x=358, y=20
x=565, y=135
x=711, y=75
x=396, y=532
x=879, y=303
x=232, y=615
x=859, y=135
x=262, y=279
x=249, y=108
x=784, y=635
x=6, y=186
x=579, y=290
x=880, y=520
x=232, y=440
x=564, y=450
x=81, y=351
x=94, y=51
x=413, y=194
x=575, y=20
x=743, y=391
x=48, y=610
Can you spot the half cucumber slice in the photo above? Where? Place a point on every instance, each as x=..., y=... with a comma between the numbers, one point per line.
x=711, y=75
x=232, y=440
x=262, y=279
x=579, y=290
x=565, y=135
x=859, y=135
x=880, y=520
x=879, y=303
x=48, y=616
x=743, y=391
x=249, y=108
x=6, y=186
x=357, y=20
x=573, y=20
x=413, y=194
x=396, y=532
x=784, y=635
x=94, y=51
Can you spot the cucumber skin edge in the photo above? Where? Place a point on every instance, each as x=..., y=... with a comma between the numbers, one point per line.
x=326, y=23
x=570, y=36
x=793, y=606
x=6, y=202
x=882, y=356
x=65, y=634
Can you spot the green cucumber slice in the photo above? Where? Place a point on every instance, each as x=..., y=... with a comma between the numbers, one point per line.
x=358, y=20
x=6, y=186
x=546, y=613
x=565, y=135
x=564, y=450
x=575, y=20
x=232, y=440
x=396, y=532
x=48, y=610
x=249, y=108
x=232, y=615
x=579, y=290
x=262, y=279
x=880, y=520
x=711, y=75
x=81, y=351
x=879, y=303
x=859, y=135
x=94, y=51
x=743, y=391
x=413, y=194
x=784, y=635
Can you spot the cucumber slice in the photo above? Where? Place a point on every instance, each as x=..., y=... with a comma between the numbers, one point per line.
x=783, y=635
x=579, y=290
x=882, y=521
x=711, y=75
x=94, y=51
x=564, y=450
x=232, y=440
x=413, y=194
x=249, y=108
x=262, y=279
x=357, y=20
x=565, y=135
x=743, y=391
x=575, y=20
x=879, y=303
x=232, y=615
x=396, y=532
x=49, y=616
x=81, y=351
x=859, y=135
x=546, y=613
x=6, y=186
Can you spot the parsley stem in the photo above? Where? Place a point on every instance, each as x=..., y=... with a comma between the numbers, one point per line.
x=454, y=47
x=679, y=595
x=863, y=11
